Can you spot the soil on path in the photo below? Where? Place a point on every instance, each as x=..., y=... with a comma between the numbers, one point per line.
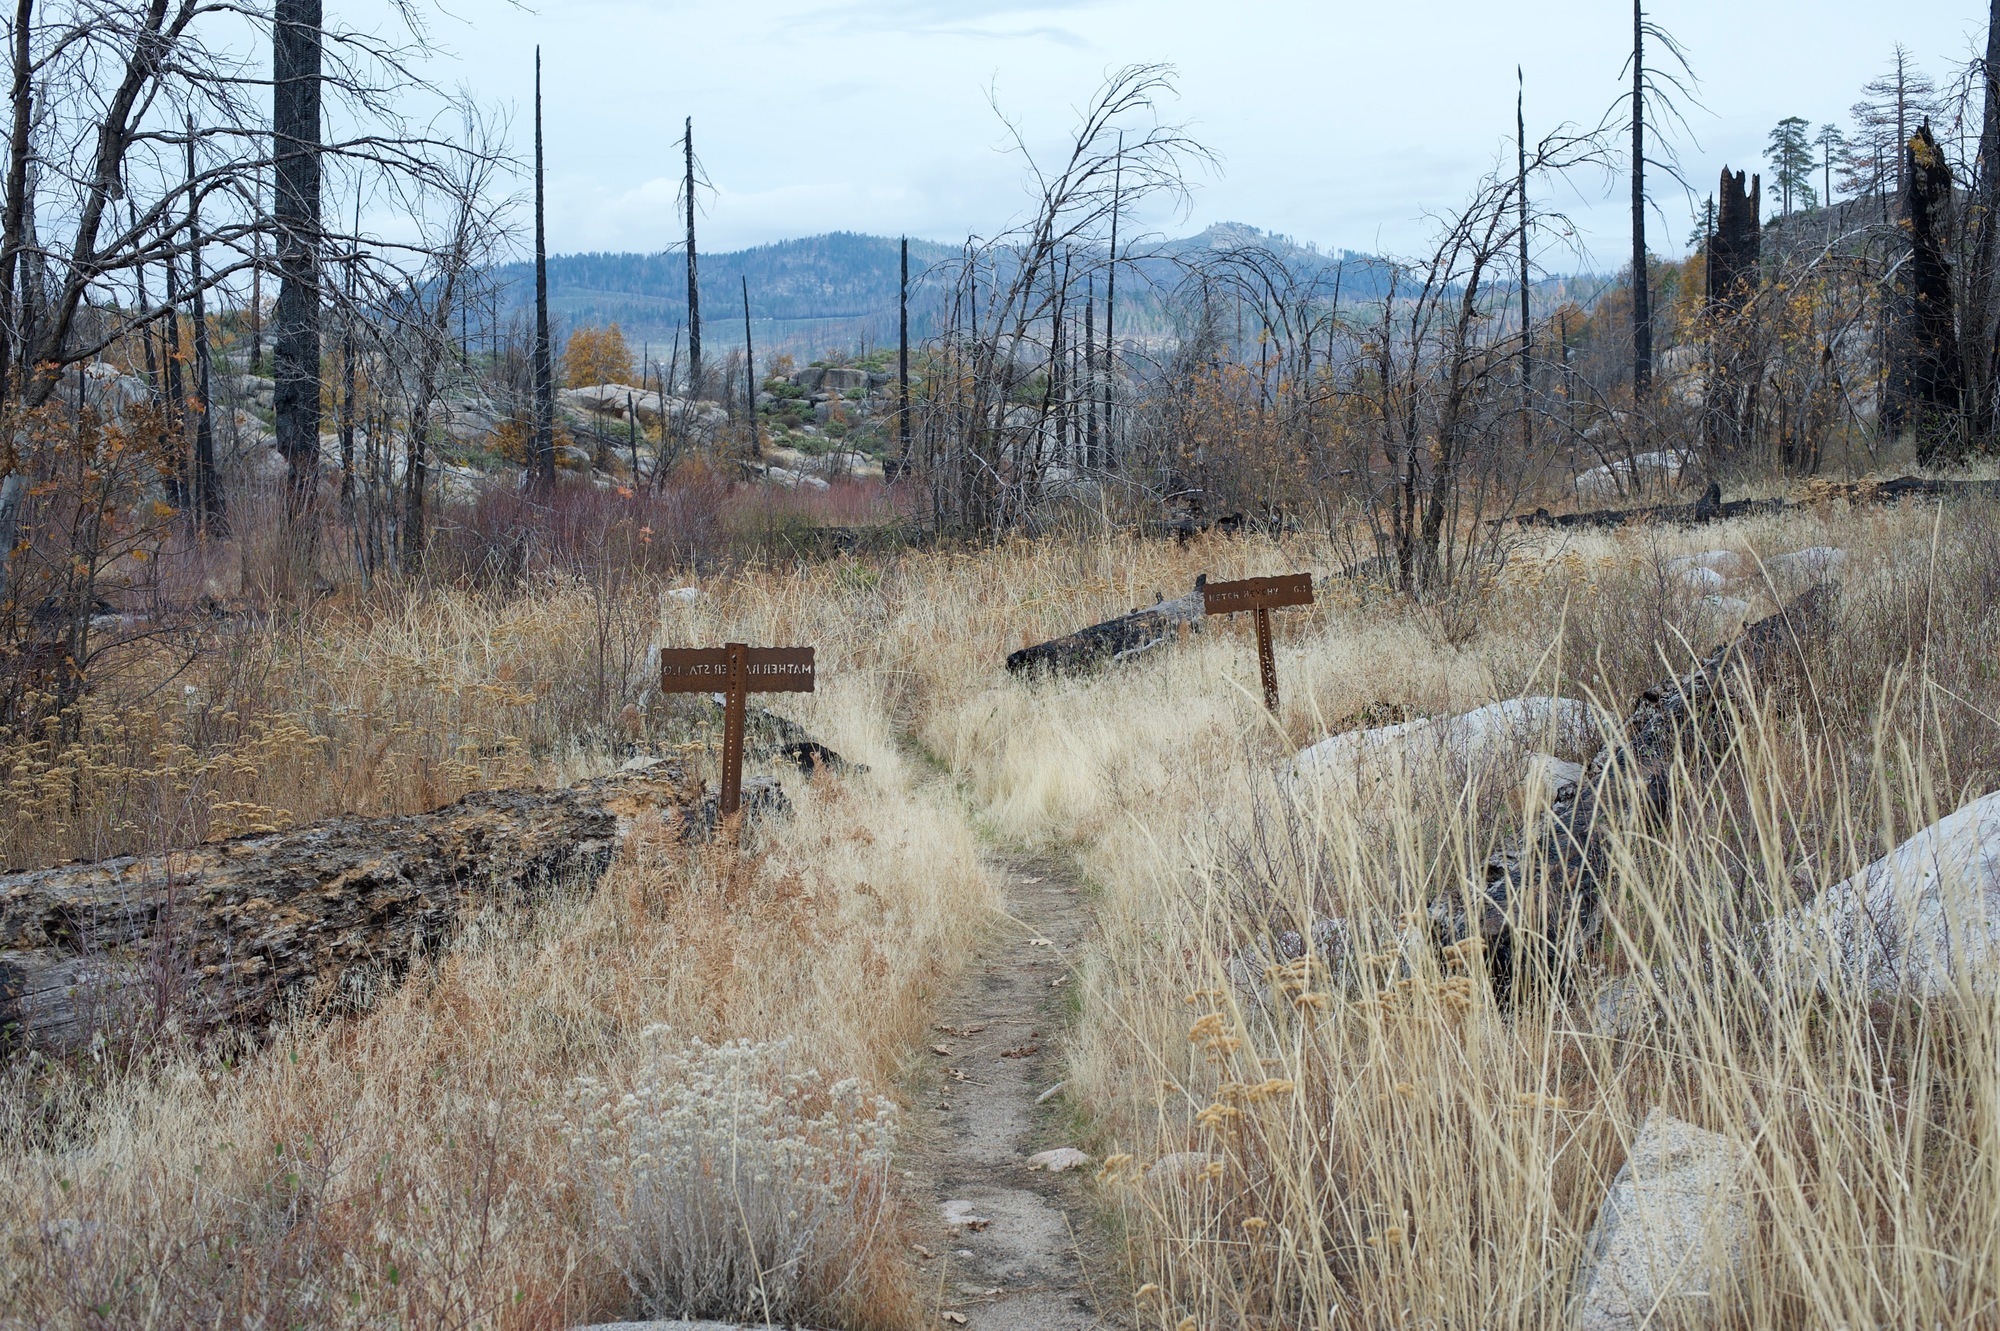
x=1039, y=1262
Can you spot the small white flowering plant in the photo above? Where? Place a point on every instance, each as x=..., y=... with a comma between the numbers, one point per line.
x=732, y=1183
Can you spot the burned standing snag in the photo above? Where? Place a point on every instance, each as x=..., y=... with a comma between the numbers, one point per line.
x=1557, y=872
x=227, y=934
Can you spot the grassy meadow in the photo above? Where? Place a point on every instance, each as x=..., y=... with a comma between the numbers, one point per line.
x=1356, y=1136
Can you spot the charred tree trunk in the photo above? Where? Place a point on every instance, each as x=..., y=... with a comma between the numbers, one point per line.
x=1925, y=390
x=1111, y=304
x=1541, y=901
x=750, y=377
x=694, y=281
x=1527, y=328
x=19, y=146
x=903, y=362
x=176, y=419
x=1642, y=308
x=347, y=378
x=295, y=131
x=228, y=935
x=1090, y=445
x=207, y=482
x=1731, y=278
x=544, y=367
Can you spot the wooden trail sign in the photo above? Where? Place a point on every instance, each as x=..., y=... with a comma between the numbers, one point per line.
x=735, y=671
x=1260, y=596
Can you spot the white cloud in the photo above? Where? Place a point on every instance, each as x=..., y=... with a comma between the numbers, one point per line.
x=1342, y=123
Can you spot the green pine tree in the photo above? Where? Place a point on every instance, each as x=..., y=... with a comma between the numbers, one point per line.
x=1789, y=150
x=1704, y=227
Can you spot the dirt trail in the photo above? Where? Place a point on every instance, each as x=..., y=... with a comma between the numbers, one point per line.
x=1038, y=1262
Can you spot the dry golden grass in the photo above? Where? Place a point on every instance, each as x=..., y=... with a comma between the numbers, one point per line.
x=1385, y=1146
x=1389, y=1148
x=413, y=1164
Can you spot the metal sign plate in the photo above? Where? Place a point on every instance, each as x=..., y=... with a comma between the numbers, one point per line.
x=781, y=670
x=1224, y=598
x=706, y=670
x=694, y=669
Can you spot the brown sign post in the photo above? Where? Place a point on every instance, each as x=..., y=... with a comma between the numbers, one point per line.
x=1261, y=596
x=735, y=671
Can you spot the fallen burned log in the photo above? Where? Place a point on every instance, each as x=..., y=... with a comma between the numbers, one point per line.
x=1548, y=886
x=227, y=934
x=1897, y=490
x=1711, y=507
x=1114, y=639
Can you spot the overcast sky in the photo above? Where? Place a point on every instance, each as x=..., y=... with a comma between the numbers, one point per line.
x=1338, y=123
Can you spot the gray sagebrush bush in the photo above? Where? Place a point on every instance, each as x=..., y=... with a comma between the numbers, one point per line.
x=729, y=1183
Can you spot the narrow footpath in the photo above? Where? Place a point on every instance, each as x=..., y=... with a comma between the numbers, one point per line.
x=1008, y=1247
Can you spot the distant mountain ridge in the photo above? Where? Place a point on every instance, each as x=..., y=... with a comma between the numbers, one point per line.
x=837, y=291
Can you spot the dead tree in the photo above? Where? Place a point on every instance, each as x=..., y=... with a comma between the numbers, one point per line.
x=1731, y=284
x=985, y=446
x=545, y=377
x=750, y=376
x=1654, y=90
x=694, y=281
x=1980, y=325
x=1541, y=900
x=459, y=224
x=1925, y=389
x=1642, y=308
x=903, y=362
x=296, y=147
x=208, y=502
x=1521, y=204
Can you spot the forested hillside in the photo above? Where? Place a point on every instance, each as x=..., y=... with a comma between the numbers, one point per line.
x=838, y=291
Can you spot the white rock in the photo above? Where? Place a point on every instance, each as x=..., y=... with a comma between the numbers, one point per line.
x=685, y=595
x=609, y=398
x=1557, y=776
x=1179, y=1165
x=793, y=480
x=1670, y=1233
x=1056, y=1161
x=1914, y=919
x=1475, y=738
x=266, y=464
x=1812, y=562
x=1726, y=562
x=962, y=1215
x=1700, y=577
x=1606, y=481
x=1727, y=609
